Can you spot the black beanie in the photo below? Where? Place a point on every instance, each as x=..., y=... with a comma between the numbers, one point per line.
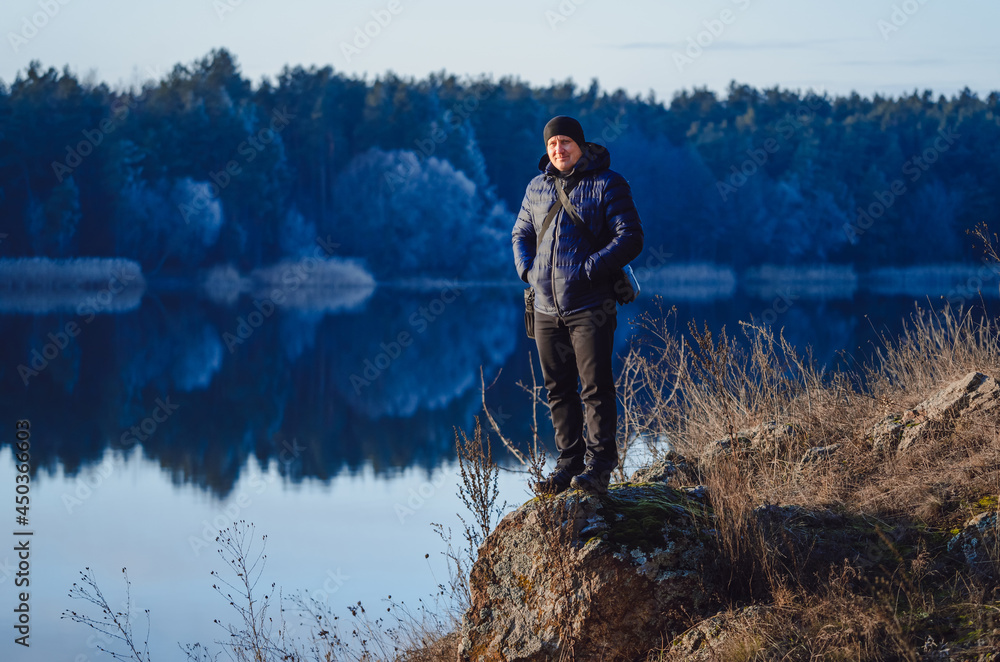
x=562, y=125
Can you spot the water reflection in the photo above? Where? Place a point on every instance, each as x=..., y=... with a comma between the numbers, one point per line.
x=381, y=384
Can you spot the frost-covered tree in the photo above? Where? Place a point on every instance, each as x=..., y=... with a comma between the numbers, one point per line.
x=164, y=221
x=416, y=217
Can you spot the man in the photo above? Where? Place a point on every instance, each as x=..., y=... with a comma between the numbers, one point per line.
x=575, y=315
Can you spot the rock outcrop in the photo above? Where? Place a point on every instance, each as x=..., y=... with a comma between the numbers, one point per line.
x=818, y=453
x=604, y=576
x=649, y=567
x=978, y=544
x=766, y=438
x=614, y=577
x=937, y=415
x=660, y=471
x=703, y=641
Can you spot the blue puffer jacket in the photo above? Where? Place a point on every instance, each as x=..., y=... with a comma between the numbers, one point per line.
x=568, y=273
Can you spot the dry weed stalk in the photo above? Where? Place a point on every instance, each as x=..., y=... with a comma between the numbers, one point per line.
x=991, y=243
x=535, y=394
x=114, y=625
x=254, y=639
x=478, y=488
x=511, y=447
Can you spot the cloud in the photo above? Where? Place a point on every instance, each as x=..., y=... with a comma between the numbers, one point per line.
x=763, y=45
x=927, y=62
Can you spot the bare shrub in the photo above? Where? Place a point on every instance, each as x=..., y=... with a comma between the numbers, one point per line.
x=478, y=487
x=254, y=638
x=115, y=625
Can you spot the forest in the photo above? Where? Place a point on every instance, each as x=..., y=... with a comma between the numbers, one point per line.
x=205, y=167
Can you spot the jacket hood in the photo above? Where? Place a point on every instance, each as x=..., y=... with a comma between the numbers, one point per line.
x=595, y=157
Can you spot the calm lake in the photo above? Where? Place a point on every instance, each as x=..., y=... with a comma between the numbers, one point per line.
x=330, y=428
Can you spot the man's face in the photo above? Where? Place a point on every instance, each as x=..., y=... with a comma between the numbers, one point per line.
x=563, y=152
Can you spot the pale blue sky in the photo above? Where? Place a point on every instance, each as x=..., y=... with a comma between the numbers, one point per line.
x=641, y=45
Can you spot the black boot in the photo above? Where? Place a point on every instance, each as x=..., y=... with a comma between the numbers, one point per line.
x=592, y=480
x=556, y=482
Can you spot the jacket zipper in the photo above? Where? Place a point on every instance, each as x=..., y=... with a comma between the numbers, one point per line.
x=552, y=258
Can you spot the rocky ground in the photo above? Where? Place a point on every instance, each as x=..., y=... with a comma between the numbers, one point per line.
x=879, y=544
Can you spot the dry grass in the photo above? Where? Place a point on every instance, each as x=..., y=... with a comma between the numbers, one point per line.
x=834, y=623
x=713, y=388
x=703, y=395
